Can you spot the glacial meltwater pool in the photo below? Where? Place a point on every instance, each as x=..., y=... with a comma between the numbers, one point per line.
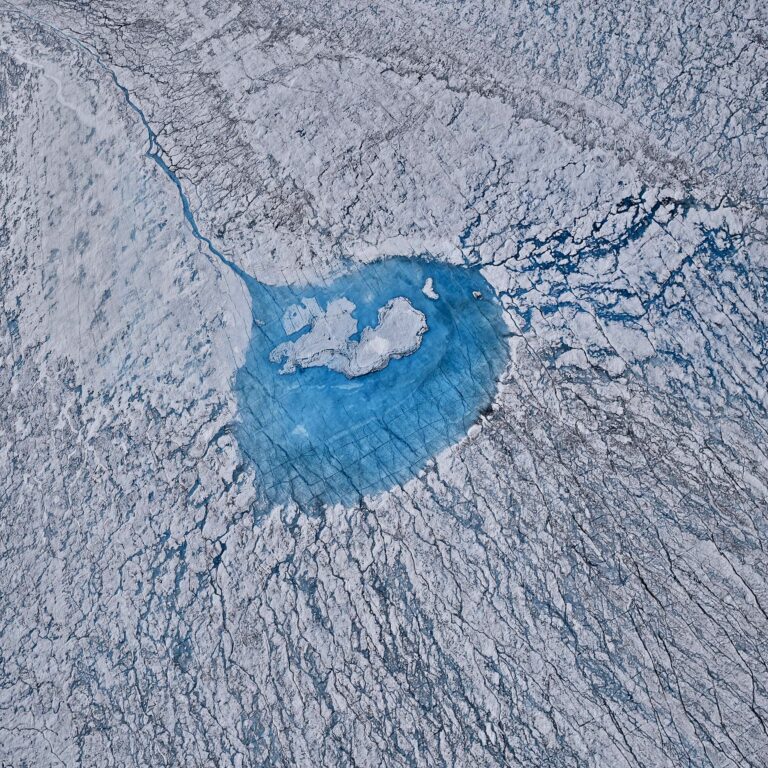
x=317, y=436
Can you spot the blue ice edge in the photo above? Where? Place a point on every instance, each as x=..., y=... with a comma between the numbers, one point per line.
x=316, y=437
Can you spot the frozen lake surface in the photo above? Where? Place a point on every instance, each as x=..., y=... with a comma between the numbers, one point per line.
x=318, y=436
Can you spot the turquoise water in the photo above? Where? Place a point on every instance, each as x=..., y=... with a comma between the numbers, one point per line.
x=317, y=437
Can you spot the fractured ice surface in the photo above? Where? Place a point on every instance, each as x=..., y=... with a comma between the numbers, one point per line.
x=581, y=582
x=329, y=342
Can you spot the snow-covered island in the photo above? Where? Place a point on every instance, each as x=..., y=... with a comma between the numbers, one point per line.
x=328, y=342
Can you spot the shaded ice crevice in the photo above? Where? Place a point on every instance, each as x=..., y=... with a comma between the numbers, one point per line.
x=329, y=342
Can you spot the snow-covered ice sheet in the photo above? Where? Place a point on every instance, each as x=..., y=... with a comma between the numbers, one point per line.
x=535, y=538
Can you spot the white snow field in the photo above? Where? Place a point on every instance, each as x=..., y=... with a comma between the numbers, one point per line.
x=547, y=546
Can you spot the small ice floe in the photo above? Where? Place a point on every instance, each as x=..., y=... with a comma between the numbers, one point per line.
x=477, y=294
x=473, y=431
x=429, y=290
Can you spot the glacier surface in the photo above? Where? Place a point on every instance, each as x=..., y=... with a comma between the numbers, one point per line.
x=538, y=539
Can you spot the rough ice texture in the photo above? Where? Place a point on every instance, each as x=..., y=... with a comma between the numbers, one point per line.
x=327, y=343
x=582, y=583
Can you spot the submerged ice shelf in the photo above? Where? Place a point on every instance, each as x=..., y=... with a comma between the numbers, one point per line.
x=318, y=435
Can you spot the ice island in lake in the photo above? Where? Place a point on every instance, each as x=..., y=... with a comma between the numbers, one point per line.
x=329, y=341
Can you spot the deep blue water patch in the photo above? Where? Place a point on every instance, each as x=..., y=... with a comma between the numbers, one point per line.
x=316, y=437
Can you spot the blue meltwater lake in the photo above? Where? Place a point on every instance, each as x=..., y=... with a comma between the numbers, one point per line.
x=317, y=437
